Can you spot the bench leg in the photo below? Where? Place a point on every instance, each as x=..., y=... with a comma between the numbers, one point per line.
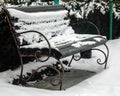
x=99, y=61
x=76, y=58
x=62, y=74
x=23, y=80
x=106, y=55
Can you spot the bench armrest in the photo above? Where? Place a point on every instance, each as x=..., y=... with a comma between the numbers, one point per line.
x=85, y=27
x=49, y=46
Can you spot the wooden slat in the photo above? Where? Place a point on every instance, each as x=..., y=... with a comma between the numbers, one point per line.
x=41, y=8
x=68, y=50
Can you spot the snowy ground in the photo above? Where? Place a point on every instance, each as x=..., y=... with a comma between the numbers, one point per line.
x=104, y=83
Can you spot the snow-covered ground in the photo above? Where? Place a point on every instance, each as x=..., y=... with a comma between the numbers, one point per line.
x=104, y=83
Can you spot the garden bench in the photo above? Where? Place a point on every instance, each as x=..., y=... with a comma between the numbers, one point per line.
x=45, y=31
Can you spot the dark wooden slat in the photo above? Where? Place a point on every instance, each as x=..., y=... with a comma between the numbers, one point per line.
x=40, y=8
x=85, y=39
x=70, y=50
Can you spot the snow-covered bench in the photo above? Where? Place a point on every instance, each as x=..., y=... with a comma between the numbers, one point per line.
x=45, y=31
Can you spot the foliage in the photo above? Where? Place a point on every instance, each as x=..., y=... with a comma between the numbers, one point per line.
x=94, y=10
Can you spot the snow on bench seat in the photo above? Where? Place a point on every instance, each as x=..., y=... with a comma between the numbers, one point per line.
x=55, y=26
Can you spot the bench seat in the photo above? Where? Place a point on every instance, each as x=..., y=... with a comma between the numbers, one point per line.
x=81, y=45
x=74, y=43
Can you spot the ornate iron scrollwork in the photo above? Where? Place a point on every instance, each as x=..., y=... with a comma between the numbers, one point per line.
x=52, y=80
x=99, y=61
x=38, y=55
x=75, y=57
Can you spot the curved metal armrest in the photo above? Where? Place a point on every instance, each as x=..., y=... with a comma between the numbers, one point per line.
x=38, y=53
x=33, y=31
x=88, y=22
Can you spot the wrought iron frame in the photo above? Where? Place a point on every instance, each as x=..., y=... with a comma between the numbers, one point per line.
x=37, y=54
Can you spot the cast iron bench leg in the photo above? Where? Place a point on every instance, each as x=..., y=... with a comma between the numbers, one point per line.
x=106, y=55
x=60, y=72
x=99, y=61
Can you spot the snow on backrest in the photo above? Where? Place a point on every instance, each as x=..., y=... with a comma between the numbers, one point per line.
x=51, y=24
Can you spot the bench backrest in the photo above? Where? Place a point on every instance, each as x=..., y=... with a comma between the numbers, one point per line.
x=49, y=20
